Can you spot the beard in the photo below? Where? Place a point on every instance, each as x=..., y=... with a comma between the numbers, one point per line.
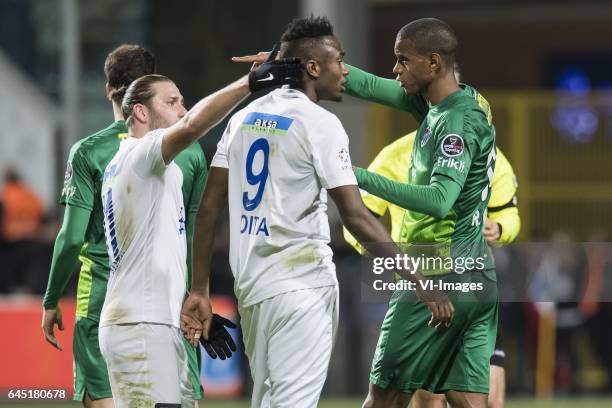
x=157, y=121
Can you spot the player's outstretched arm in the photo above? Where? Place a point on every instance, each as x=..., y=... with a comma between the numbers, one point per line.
x=363, y=85
x=207, y=113
x=388, y=92
x=211, y=110
x=375, y=238
x=196, y=314
x=65, y=254
x=435, y=199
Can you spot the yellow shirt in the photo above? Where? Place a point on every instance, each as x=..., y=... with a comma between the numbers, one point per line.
x=393, y=162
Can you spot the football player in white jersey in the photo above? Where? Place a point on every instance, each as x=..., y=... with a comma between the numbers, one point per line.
x=144, y=224
x=276, y=163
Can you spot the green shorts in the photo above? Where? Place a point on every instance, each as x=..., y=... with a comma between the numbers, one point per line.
x=410, y=355
x=90, y=373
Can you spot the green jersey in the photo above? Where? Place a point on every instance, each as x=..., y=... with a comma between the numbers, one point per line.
x=456, y=142
x=454, y=149
x=82, y=188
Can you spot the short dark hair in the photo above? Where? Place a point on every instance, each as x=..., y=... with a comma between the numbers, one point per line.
x=303, y=35
x=140, y=92
x=124, y=65
x=431, y=35
x=308, y=27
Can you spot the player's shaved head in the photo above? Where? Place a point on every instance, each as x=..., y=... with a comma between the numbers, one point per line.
x=141, y=91
x=304, y=38
x=430, y=35
x=124, y=65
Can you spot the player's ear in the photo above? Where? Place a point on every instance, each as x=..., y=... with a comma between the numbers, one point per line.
x=313, y=69
x=140, y=112
x=435, y=62
x=108, y=90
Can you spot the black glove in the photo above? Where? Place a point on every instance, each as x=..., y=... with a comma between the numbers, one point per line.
x=220, y=342
x=273, y=73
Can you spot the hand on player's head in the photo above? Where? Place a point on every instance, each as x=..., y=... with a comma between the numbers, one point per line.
x=268, y=71
x=256, y=59
x=275, y=72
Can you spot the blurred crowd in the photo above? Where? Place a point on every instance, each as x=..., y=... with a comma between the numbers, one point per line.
x=26, y=237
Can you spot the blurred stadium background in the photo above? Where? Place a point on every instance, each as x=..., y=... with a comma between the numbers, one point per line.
x=544, y=65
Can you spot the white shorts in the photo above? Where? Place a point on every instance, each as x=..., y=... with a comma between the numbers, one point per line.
x=288, y=340
x=147, y=365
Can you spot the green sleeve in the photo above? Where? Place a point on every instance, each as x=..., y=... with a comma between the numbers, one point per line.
x=454, y=153
x=79, y=188
x=435, y=199
x=190, y=228
x=201, y=174
x=388, y=92
x=65, y=253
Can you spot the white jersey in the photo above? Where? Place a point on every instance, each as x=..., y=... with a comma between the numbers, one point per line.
x=144, y=224
x=282, y=151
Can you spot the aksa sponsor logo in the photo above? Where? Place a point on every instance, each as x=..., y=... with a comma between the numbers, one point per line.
x=451, y=164
x=270, y=124
x=452, y=145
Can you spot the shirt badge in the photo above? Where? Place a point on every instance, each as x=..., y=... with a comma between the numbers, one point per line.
x=452, y=145
x=426, y=136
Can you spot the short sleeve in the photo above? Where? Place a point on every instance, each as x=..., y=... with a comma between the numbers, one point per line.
x=79, y=186
x=148, y=153
x=330, y=152
x=220, y=157
x=455, y=149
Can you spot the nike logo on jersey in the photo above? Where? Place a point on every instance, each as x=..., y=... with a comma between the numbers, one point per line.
x=268, y=78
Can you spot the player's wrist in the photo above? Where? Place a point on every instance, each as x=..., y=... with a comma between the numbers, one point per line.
x=49, y=304
x=200, y=291
x=243, y=84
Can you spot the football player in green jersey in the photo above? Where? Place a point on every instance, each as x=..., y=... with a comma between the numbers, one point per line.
x=501, y=227
x=446, y=198
x=82, y=232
